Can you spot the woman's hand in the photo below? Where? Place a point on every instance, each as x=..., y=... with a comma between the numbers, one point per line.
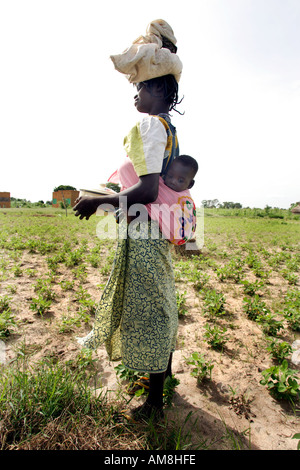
x=85, y=207
x=144, y=192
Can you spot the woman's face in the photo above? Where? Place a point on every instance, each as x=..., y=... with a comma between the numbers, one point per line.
x=143, y=100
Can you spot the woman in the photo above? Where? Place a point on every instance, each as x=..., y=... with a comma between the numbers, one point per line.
x=137, y=314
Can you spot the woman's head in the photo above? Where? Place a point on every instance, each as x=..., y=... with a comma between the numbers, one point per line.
x=163, y=90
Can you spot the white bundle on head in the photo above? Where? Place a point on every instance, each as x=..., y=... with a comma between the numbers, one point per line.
x=148, y=57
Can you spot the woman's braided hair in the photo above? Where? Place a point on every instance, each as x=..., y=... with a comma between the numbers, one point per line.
x=167, y=82
x=167, y=44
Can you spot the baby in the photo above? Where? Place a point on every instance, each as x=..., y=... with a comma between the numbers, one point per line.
x=176, y=214
x=181, y=173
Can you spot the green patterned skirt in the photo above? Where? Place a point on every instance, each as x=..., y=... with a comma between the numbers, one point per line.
x=137, y=316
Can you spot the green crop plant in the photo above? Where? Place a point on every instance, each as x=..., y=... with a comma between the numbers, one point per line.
x=44, y=247
x=292, y=316
x=74, y=258
x=87, y=304
x=31, y=272
x=7, y=323
x=82, y=294
x=66, y=246
x=254, y=307
x=106, y=268
x=4, y=303
x=80, y=273
x=269, y=324
x=127, y=374
x=200, y=280
x=138, y=383
x=224, y=272
x=291, y=277
x=17, y=270
x=66, y=285
x=297, y=436
x=214, y=303
x=44, y=289
x=216, y=336
x=279, y=350
x=32, y=245
x=293, y=264
x=281, y=382
x=233, y=270
x=251, y=259
x=291, y=311
x=11, y=288
x=68, y=324
x=181, y=303
x=202, y=369
x=15, y=243
x=260, y=272
x=274, y=261
x=293, y=296
x=94, y=260
x=7, y=319
x=251, y=288
x=54, y=261
x=40, y=305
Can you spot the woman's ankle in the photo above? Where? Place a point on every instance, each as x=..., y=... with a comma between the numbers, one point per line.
x=155, y=404
x=147, y=411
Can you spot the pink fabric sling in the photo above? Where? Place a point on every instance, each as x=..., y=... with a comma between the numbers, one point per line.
x=174, y=211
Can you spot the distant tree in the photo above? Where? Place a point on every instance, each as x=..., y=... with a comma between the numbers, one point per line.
x=231, y=205
x=210, y=203
x=294, y=204
x=267, y=208
x=225, y=205
x=213, y=203
x=17, y=202
x=39, y=204
x=64, y=187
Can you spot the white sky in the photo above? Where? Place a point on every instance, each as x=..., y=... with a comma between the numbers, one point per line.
x=64, y=110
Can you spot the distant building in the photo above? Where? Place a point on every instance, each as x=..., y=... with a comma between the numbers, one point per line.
x=5, y=200
x=64, y=195
x=296, y=209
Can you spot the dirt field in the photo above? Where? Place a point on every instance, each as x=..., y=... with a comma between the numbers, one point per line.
x=229, y=410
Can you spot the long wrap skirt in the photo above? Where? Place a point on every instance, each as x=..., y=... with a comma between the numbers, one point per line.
x=137, y=316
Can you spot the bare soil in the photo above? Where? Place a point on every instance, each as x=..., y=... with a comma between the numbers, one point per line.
x=232, y=404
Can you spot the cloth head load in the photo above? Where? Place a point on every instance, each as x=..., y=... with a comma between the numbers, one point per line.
x=150, y=56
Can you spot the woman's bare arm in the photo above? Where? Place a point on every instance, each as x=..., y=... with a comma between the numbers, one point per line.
x=144, y=192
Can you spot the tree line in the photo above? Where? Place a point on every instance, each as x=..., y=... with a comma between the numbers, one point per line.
x=214, y=203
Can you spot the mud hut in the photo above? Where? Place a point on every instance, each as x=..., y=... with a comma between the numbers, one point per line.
x=67, y=196
x=5, y=200
x=296, y=209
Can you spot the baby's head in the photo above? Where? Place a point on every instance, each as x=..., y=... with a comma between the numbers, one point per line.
x=181, y=173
